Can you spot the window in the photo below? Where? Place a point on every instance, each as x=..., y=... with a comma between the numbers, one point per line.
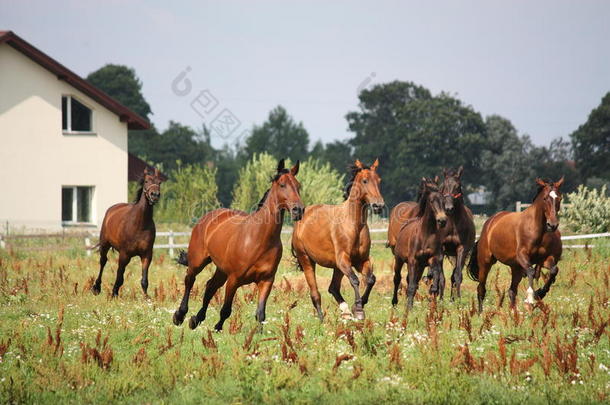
x=75, y=116
x=76, y=204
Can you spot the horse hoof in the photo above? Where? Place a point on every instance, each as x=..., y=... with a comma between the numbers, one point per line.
x=359, y=315
x=96, y=290
x=178, y=318
x=193, y=323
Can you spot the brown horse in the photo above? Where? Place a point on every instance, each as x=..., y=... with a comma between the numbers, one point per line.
x=130, y=229
x=246, y=248
x=459, y=234
x=419, y=244
x=337, y=236
x=519, y=240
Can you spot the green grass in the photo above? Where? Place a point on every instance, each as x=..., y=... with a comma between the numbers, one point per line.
x=127, y=350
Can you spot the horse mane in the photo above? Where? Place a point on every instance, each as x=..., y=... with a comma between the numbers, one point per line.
x=140, y=190
x=426, y=188
x=354, y=172
x=275, y=177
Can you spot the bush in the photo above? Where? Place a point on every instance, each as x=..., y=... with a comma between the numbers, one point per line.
x=320, y=183
x=589, y=210
x=190, y=192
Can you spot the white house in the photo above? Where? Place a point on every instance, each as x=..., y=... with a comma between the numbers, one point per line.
x=63, y=142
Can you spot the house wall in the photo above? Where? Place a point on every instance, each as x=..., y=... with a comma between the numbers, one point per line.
x=36, y=158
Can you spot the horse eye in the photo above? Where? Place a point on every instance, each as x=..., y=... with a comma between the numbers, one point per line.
x=364, y=181
x=282, y=185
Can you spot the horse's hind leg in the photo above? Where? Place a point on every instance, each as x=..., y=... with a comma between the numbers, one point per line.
x=225, y=311
x=516, y=276
x=335, y=290
x=484, y=268
x=398, y=263
x=124, y=259
x=146, y=260
x=194, y=268
x=369, y=279
x=214, y=283
x=309, y=270
x=97, y=286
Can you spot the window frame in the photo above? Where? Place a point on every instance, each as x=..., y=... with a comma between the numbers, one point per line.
x=68, y=130
x=74, y=221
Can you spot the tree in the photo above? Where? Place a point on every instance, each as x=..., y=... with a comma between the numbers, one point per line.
x=320, y=183
x=337, y=153
x=279, y=136
x=121, y=83
x=253, y=180
x=415, y=134
x=591, y=142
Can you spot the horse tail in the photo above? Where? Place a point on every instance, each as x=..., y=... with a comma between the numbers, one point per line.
x=295, y=261
x=473, y=264
x=182, y=258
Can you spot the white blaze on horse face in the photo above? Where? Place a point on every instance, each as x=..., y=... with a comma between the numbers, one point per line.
x=530, y=296
x=553, y=194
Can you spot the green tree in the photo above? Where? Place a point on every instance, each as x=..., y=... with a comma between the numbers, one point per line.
x=190, y=192
x=337, y=153
x=121, y=83
x=279, y=136
x=415, y=134
x=591, y=142
x=320, y=183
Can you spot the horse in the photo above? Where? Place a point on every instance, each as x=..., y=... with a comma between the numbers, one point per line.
x=419, y=244
x=130, y=229
x=337, y=237
x=246, y=248
x=459, y=234
x=521, y=241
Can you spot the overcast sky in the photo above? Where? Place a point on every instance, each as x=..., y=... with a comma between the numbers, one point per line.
x=542, y=64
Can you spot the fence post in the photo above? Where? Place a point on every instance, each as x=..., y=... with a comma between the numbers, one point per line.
x=88, y=246
x=171, y=243
x=2, y=244
x=518, y=206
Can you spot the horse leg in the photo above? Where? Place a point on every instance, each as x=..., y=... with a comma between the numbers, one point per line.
x=516, y=276
x=369, y=278
x=124, y=260
x=225, y=311
x=484, y=268
x=552, y=266
x=398, y=263
x=530, y=271
x=345, y=266
x=309, y=269
x=436, y=269
x=97, y=286
x=213, y=284
x=415, y=271
x=264, y=289
x=146, y=259
x=456, y=276
x=335, y=290
x=191, y=274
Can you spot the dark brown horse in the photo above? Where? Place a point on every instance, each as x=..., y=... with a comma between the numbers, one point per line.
x=459, y=233
x=419, y=244
x=130, y=229
x=520, y=240
x=246, y=248
x=337, y=236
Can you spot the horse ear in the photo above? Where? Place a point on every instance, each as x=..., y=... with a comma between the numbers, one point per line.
x=358, y=164
x=375, y=164
x=157, y=172
x=540, y=182
x=295, y=168
x=559, y=183
x=436, y=179
x=280, y=165
x=460, y=171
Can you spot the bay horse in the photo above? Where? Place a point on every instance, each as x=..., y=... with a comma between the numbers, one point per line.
x=459, y=234
x=419, y=244
x=521, y=240
x=337, y=237
x=130, y=229
x=246, y=248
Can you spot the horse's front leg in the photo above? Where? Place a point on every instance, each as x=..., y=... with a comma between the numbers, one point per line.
x=146, y=259
x=524, y=262
x=345, y=265
x=397, y=267
x=456, y=276
x=369, y=278
x=554, y=270
x=415, y=270
x=438, y=278
x=264, y=289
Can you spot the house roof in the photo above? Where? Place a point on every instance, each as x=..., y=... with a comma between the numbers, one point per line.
x=133, y=120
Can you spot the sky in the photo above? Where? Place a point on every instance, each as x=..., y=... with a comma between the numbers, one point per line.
x=542, y=64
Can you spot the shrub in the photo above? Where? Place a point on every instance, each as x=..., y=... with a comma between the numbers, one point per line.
x=252, y=181
x=320, y=183
x=589, y=210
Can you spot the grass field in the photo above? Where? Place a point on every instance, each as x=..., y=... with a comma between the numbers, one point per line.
x=59, y=343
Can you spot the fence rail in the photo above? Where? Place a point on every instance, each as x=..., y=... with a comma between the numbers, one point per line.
x=171, y=235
